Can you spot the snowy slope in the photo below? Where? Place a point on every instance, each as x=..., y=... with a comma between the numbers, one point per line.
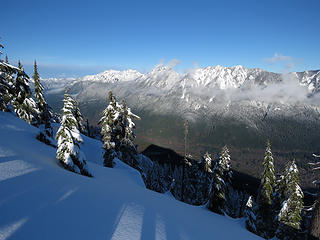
x=41, y=200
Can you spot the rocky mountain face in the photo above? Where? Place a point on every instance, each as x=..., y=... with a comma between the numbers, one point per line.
x=236, y=106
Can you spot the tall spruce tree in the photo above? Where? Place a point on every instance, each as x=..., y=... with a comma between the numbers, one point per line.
x=127, y=126
x=208, y=174
x=221, y=179
x=268, y=179
x=23, y=104
x=265, y=223
x=250, y=215
x=289, y=216
x=127, y=147
x=69, y=140
x=45, y=114
x=109, y=131
x=78, y=116
x=7, y=88
x=4, y=85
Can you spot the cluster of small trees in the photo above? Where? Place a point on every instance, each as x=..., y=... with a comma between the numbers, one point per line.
x=277, y=208
x=16, y=96
x=117, y=133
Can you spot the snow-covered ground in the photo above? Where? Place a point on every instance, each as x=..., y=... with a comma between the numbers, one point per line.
x=41, y=200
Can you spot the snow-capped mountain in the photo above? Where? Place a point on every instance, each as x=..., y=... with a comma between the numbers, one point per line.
x=226, y=105
x=112, y=76
x=217, y=77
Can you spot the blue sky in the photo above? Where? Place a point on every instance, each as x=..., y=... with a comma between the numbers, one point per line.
x=75, y=38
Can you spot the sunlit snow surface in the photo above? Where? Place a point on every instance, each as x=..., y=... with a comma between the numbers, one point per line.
x=41, y=200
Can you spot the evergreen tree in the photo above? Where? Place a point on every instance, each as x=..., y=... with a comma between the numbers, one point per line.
x=7, y=60
x=88, y=130
x=126, y=124
x=208, y=174
x=3, y=84
x=23, y=104
x=279, y=192
x=69, y=140
x=315, y=222
x=1, y=46
x=268, y=179
x=109, y=131
x=221, y=180
x=45, y=114
x=7, y=89
x=207, y=162
x=264, y=199
x=4, y=87
x=289, y=216
x=250, y=215
x=78, y=116
x=117, y=133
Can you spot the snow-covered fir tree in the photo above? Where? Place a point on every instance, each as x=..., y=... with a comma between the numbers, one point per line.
x=78, y=116
x=7, y=88
x=109, y=130
x=289, y=216
x=264, y=199
x=221, y=179
x=250, y=215
x=45, y=114
x=24, y=106
x=268, y=179
x=206, y=176
x=4, y=86
x=315, y=222
x=127, y=147
x=207, y=162
x=117, y=133
x=69, y=140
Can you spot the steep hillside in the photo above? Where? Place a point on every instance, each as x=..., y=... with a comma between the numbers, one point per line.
x=41, y=200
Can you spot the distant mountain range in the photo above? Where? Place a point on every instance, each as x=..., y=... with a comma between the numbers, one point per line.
x=237, y=106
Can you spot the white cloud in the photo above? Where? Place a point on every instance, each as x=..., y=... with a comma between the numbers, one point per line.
x=278, y=58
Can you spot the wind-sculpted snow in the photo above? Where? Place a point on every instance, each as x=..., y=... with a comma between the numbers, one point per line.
x=53, y=203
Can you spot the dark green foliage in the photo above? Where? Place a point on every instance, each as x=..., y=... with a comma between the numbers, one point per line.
x=117, y=133
x=264, y=212
x=268, y=179
x=290, y=213
x=45, y=114
x=109, y=131
x=250, y=215
x=221, y=181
